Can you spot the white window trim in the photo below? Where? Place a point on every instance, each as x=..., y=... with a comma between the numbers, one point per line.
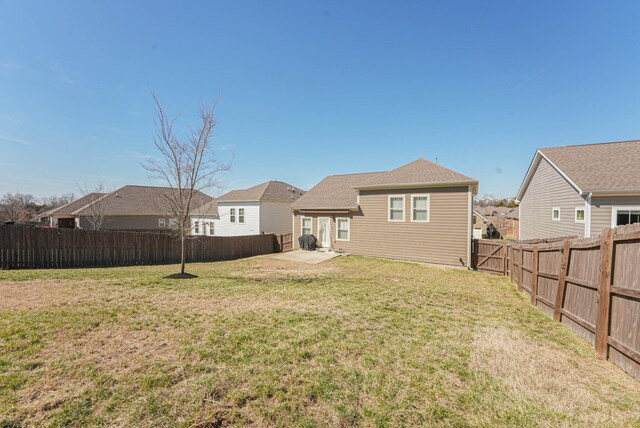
x=348, y=228
x=424, y=195
x=614, y=213
x=575, y=216
x=404, y=208
x=162, y=222
x=196, y=227
x=234, y=215
x=243, y=216
x=310, y=227
x=559, y=213
x=211, y=228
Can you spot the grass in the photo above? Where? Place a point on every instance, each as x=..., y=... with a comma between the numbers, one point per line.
x=349, y=342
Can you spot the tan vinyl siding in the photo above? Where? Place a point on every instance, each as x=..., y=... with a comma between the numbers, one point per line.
x=548, y=189
x=443, y=240
x=601, y=210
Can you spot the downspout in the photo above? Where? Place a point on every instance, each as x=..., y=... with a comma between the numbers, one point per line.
x=587, y=225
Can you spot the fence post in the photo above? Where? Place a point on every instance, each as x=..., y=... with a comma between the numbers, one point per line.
x=521, y=270
x=562, y=280
x=604, y=293
x=511, y=262
x=504, y=259
x=534, y=277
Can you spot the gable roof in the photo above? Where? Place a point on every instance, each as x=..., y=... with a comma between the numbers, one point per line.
x=72, y=206
x=334, y=192
x=269, y=191
x=341, y=191
x=139, y=200
x=420, y=172
x=208, y=209
x=601, y=168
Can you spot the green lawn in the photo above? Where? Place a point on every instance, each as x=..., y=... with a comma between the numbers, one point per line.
x=353, y=341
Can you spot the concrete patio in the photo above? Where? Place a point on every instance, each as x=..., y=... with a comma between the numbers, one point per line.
x=309, y=257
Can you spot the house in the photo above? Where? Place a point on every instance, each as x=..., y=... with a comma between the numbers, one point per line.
x=504, y=220
x=420, y=212
x=580, y=190
x=203, y=219
x=480, y=224
x=131, y=207
x=263, y=208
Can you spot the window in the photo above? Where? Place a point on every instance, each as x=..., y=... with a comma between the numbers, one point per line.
x=196, y=228
x=555, y=214
x=579, y=215
x=396, y=208
x=343, y=229
x=420, y=208
x=161, y=222
x=232, y=215
x=241, y=215
x=626, y=216
x=173, y=222
x=211, y=228
x=306, y=225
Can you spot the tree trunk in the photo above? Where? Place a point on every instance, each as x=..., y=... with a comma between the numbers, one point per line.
x=182, y=253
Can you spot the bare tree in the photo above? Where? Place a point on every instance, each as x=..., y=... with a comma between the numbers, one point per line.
x=187, y=166
x=17, y=207
x=98, y=204
x=51, y=202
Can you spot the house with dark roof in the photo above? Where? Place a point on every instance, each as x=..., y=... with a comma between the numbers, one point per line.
x=263, y=208
x=580, y=190
x=420, y=212
x=138, y=208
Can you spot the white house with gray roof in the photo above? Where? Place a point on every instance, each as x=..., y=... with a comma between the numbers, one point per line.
x=580, y=190
x=263, y=208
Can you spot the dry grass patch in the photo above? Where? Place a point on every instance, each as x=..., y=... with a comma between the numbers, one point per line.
x=582, y=389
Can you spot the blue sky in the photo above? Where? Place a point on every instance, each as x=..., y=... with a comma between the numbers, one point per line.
x=311, y=88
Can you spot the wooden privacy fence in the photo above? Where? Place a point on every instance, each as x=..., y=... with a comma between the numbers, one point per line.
x=592, y=285
x=284, y=242
x=30, y=247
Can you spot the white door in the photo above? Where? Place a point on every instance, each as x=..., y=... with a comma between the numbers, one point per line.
x=324, y=232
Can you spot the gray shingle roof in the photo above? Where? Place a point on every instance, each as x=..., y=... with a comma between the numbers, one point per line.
x=269, y=191
x=599, y=167
x=210, y=209
x=339, y=191
x=72, y=206
x=418, y=172
x=334, y=192
x=140, y=200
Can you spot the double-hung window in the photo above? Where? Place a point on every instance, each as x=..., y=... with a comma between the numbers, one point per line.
x=396, y=208
x=241, y=215
x=420, y=208
x=196, y=228
x=306, y=225
x=579, y=215
x=232, y=215
x=343, y=229
x=211, y=230
x=161, y=222
x=555, y=214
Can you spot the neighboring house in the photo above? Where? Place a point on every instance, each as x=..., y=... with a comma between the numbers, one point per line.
x=63, y=216
x=259, y=209
x=139, y=208
x=480, y=224
x=418, y=212
x=203, y=219
x=580, y=190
